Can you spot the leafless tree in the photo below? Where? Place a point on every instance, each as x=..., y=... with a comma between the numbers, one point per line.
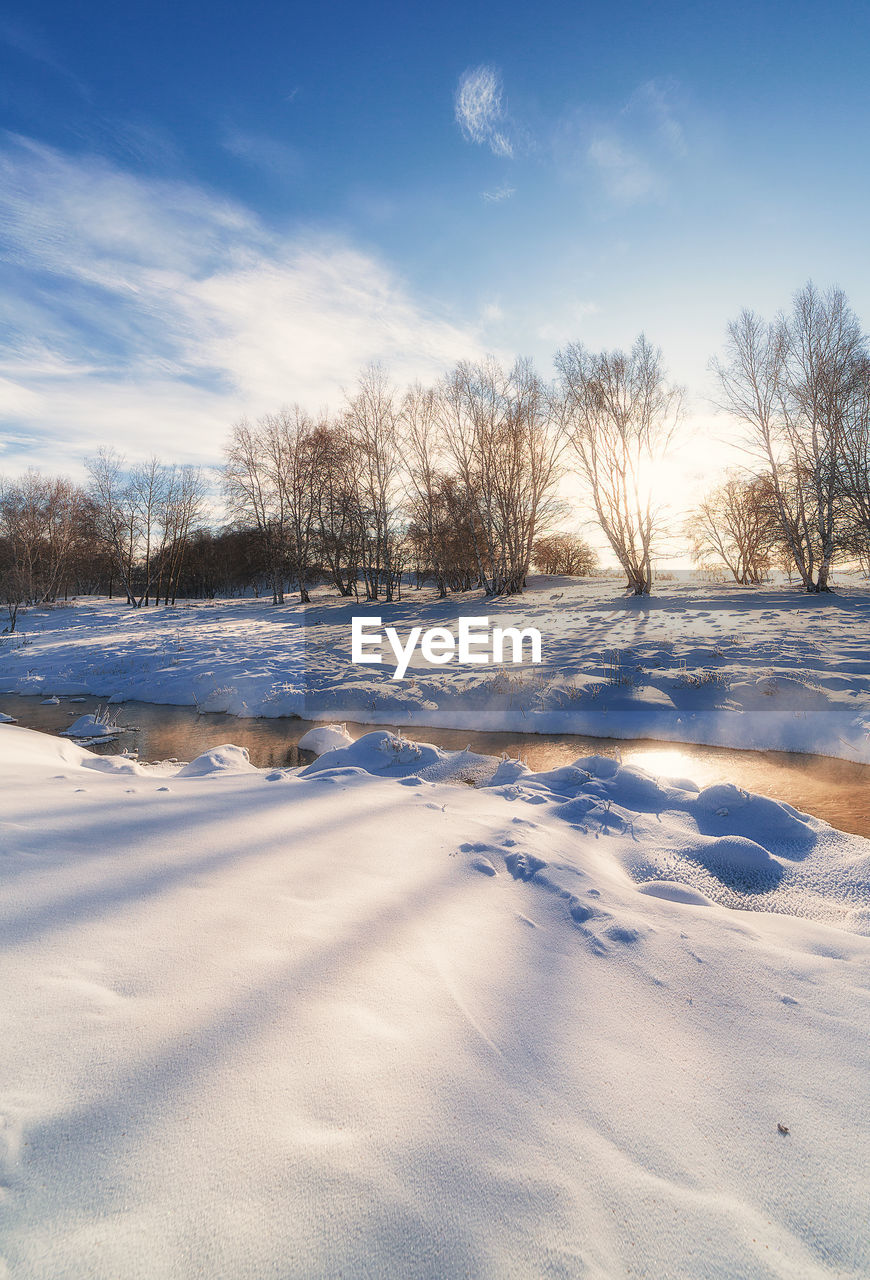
x=341, y=525
x=41, y=522
x=796, y=383
x=736, y=524
x=296, y=457
x=179, y=512
x=505, y=450
x=256, y=497
x=373, y=426
x=622, y=414
x=855, y=473
x=565, y=553
x=115, y=516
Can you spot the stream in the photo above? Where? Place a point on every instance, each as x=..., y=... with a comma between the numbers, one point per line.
x=836, y=790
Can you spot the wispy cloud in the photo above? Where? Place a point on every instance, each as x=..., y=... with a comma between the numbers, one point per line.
x=504, y=192
x=480, y=112
x=150, y=314
x=631, y=156
x=271, y=155
x=655, y=103
x=28, y=40
x=628, y=177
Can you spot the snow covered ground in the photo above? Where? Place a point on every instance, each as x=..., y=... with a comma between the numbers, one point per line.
x=368, y=1020
x=714, y=664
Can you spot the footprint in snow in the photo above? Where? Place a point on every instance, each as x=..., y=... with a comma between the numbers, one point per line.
x=484, y=866
x=523, y=866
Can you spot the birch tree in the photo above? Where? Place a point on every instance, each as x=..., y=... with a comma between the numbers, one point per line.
x=621, y=414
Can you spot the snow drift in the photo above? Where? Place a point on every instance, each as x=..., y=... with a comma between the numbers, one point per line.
x=356, y=1020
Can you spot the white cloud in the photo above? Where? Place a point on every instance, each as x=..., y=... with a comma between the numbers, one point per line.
x=632, y=156
x=627, y=175
x=272, y=156
x=150, y=314
x=480, y=111
x=504, y=192
x=655, y=101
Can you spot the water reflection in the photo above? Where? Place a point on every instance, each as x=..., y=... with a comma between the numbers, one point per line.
x=836, y=790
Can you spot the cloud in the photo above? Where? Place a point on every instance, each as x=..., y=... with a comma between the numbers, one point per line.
x=480, y=111
x=504, y=192
x=28, y=41
x=149, y=314
x=631, y=156
x=655, y=100
x=628, y=177
x=279, y=159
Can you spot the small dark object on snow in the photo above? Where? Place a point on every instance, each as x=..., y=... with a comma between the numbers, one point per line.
x=783, y=1129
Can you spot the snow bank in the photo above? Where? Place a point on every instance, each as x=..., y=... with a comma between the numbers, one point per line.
x=23, y=750
x=325, y=737
x=224, y=759
x=770, y=668
x=258, y=1025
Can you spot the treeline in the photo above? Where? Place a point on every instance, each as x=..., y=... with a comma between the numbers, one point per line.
x=126, y=533
x=458, y=484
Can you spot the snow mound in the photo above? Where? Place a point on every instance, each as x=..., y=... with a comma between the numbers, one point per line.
x=90, y=727
x=223, y=759
x=325, y=737
x=388, y=755
x=381, y=753
x=727, y=810
x=673, y=891
x=25, y=749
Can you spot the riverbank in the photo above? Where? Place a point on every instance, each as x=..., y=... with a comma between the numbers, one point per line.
x=828, y=787
x=367, y=1020
x=769, y=668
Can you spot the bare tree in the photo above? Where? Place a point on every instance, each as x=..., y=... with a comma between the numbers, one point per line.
x=341, y=525
x=855, y=473
x=181, y=508
x=373, y=425
x=795, y=384
x=622, y=414
x=565, y=553
x=115, y=515
x=736, y=524
x=256, y=496
x=420, y=442
x=41, y=522
x=505, y=449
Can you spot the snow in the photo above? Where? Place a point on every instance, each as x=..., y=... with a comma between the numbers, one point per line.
x=708, y=663
x=362, y=1019
x=90, y=727
x=223, y=759
x=325, y=737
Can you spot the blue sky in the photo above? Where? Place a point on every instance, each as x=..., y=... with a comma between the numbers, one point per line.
x=208, y=210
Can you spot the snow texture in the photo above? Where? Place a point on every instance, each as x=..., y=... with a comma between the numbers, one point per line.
x=360, y=1020
x=750, y=668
